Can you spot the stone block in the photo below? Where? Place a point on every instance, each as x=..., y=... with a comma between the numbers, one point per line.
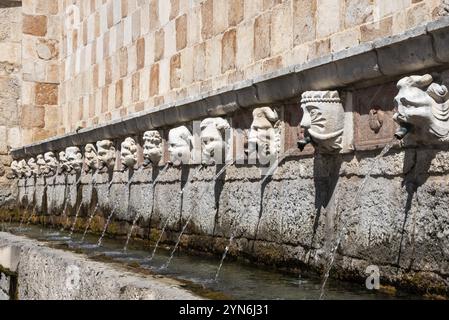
x=417, y=54
x=35, y=25
x=46, y=94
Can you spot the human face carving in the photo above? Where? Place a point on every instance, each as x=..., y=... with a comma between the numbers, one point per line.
x=128, y=153
x=90, y=157
x=323, y=120
x=264, y=135
x=213, y=143
x=152, y=147
x=74, y=158
x=51, y=164
x=106, y=154
x=422, y=108
x=179, y=145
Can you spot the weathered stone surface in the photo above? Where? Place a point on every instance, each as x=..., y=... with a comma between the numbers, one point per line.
x=50, y=274
x=34, y=25
x=46, y=94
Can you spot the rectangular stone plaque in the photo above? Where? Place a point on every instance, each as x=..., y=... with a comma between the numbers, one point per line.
x=373, y=116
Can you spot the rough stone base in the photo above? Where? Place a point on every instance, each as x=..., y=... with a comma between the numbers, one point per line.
x=45, y=273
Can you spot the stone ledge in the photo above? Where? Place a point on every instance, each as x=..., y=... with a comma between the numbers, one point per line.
x=37, y=264
x=414, y=50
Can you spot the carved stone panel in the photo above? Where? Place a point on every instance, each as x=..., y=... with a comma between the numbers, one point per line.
x=373, y=111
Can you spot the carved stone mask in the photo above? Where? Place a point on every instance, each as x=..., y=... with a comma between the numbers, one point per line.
x=128, y=153
x=51, y=164
x=106, y=154
x=40, y=164
x=23, y=168
x=323, y=120
x=264, y=134
x=213, y=140
x=152, y=147
x=74, y=158
x=90, y=157
x=179, y=145
x=423, y=106
x=63, y=164
x=33, y=169
x=15, y=169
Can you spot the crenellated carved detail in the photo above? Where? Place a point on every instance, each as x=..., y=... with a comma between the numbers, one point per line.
x=323, y=121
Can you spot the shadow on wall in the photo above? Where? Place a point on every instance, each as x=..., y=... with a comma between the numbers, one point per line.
x=10, y=3
x=326, y=168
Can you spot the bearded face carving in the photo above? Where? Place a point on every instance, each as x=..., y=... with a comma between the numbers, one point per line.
x=32, y=168
x=323, y=120
x=214, y=144
x=422, y=110
x=264, y=136
x=106, y=154
x=90, y=157
x=152, y=148
x=128, y=153
x=179, y=145
x=51, y=164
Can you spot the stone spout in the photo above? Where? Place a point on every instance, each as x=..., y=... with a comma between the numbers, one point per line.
x=303, y=143
x=402, y=132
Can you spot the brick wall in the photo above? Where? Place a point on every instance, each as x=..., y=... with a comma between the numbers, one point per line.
x=130, y=55
x=118, y=57
x=41, y=34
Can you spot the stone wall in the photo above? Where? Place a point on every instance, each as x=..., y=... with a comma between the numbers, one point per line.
x=41, y=36
x=50, y=274
x=126, y=56
x=10, y=88
x=398, y=222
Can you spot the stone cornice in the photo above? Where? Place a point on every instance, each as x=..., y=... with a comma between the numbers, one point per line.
x=412, y=51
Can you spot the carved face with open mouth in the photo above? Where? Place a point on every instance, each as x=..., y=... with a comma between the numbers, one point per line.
x=323, y=119
x=51, y=164
x=152, y=147
x=423, y=106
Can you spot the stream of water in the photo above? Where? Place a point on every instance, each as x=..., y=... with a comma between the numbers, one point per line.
x=352, y=209
x=237, y=281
